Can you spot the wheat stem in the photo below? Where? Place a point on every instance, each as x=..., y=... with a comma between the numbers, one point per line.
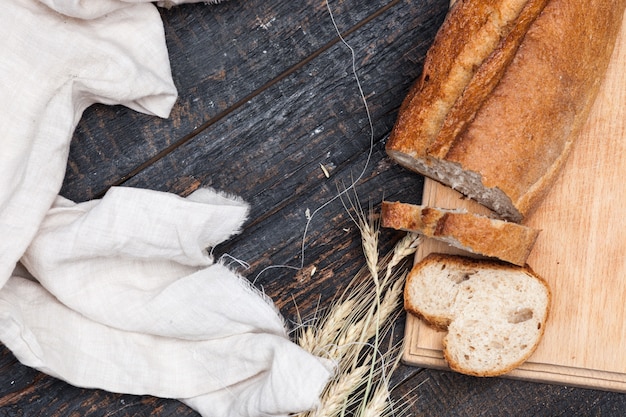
x=362, y=314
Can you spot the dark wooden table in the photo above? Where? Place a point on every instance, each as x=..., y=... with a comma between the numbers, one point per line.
x=267, y=96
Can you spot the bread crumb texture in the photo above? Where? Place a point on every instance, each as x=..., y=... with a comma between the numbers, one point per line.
x=495, y=313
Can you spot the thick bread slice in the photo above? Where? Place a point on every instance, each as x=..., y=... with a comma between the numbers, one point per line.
x=510, y=242
x=497, y=122
x=495, y=313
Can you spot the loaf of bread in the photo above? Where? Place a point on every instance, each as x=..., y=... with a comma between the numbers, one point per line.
x=494, y=313
x=507, y=241
x=505, y=90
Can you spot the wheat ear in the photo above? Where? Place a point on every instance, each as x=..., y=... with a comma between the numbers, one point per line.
x=350, y=331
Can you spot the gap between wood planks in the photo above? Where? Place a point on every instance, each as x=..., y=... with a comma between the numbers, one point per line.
x=240, y=103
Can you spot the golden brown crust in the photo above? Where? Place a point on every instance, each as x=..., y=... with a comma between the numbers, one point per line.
x=507, y=241
x=484, y=80
x=520, y=137
x=438, y=323
x=452, y=62
x=516, y=135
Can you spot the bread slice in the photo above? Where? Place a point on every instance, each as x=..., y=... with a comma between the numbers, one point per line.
x=506, y=88
x=510, y=242
x=494, y=313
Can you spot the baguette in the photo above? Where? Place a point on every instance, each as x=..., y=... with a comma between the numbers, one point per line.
x=505, y=90
x=510, y=242
x=494, y=313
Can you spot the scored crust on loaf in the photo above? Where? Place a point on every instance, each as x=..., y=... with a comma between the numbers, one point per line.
x=499, y=130
x=457, y=60
x=510, y=242
x=494, y=313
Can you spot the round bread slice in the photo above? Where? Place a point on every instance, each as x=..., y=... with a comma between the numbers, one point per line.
x=482, y=235
x=494, y=313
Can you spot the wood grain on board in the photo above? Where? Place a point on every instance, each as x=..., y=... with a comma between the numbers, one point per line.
x=580, y=252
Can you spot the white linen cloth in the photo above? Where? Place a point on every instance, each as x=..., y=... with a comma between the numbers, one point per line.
x=121, y=293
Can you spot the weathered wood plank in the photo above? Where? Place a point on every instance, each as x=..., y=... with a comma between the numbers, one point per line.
x=440, y=393
x=281, y=138
x=220, y=55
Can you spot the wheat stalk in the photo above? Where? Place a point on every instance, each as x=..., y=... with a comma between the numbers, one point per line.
x=378, y=403
x=334, y=399
x=403, y=249
x=328, y=329
x=350, y=331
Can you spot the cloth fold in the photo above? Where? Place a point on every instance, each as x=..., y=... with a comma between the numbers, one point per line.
x=53, y=67
x=122, y=293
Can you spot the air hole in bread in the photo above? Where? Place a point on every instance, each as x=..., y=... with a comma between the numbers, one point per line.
x=461, y=276
x=496, y=345
x=520, y=315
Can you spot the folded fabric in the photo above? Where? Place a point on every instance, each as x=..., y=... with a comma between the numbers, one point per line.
x=131, y=302
x=122, y=293
x=53, y=67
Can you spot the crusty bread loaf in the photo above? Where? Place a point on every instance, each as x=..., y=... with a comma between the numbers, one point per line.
x=494, y=313
x=510, y=242
x=506, y=88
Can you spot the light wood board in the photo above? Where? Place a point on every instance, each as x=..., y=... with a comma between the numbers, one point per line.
x=581, y=252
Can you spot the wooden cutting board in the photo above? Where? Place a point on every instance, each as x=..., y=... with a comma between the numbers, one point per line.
x=581, y=252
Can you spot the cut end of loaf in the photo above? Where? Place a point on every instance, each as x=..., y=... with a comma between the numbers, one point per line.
x=466, y=182
x=494, y=313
